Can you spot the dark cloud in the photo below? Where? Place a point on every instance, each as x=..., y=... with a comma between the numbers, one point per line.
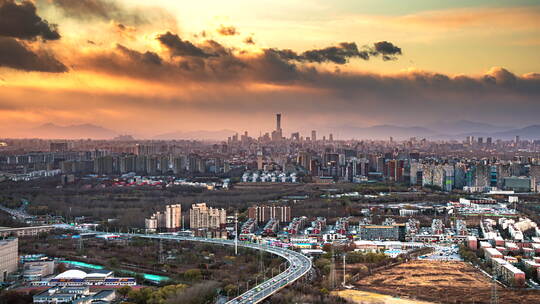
x=227, y=30
x=216, y=49
x=336, y=54
x=386, y=49
x=249, y=40
x=20, y=20
x=341, y=53
x=124, y=31
x=15, y=54
x=211, y=61
x=145, y=58
x=179, y=47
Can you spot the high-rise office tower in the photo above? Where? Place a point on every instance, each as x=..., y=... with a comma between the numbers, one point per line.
x=277, y=134
x=314, y=135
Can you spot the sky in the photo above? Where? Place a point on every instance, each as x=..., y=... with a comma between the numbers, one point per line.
x=148, y=68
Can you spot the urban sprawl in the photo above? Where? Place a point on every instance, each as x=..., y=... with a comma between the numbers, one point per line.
x=339, y=204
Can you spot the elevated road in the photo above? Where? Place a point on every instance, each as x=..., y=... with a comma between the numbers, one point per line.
x=298, y=265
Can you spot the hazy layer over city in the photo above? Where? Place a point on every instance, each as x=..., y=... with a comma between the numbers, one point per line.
x=166, y=69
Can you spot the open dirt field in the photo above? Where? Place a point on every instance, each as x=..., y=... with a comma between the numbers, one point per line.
x=441, y=282
x=366, y=297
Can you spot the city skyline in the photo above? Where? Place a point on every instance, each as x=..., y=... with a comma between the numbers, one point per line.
x=441, y=131
x=180, y=67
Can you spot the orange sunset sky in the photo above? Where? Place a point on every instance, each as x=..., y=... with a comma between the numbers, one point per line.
x=151, y=67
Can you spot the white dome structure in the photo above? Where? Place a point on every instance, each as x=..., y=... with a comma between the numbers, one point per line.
x=72, y=274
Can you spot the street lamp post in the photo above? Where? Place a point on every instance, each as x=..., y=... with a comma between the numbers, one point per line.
x=344, y=268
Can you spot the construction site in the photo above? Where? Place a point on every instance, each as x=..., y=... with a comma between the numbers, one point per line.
x=442, y=282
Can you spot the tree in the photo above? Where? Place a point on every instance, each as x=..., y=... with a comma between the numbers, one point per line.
x=193, y=274
x=61, y=268
x=139, y=278
x=123, y=291
x=13, y=297
x=230, y=289
x=200, y=293
x=113, y=262
x=141, y=296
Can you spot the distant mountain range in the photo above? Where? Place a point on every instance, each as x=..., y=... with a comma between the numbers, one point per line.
x=383, y=132
x=444, y=130
x=465, y=126
x=201, y=134
x=529, y=132
x=82, y=131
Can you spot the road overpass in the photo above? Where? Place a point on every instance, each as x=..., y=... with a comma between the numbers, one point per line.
x=298, y=265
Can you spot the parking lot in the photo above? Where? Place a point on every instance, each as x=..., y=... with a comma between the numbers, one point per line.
x=443, y=253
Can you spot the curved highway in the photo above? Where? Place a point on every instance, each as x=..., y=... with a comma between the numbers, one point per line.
x=298, y=265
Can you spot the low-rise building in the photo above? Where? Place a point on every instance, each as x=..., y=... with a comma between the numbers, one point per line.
x=36, y=270
x=484, y=244
x=472, y=242
x=75, y=277
x=379, y=232
x=512, y=276
x=491, y=253
x=24, y=231
x=59, y=295
x=507, y=273
x=74, y=295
